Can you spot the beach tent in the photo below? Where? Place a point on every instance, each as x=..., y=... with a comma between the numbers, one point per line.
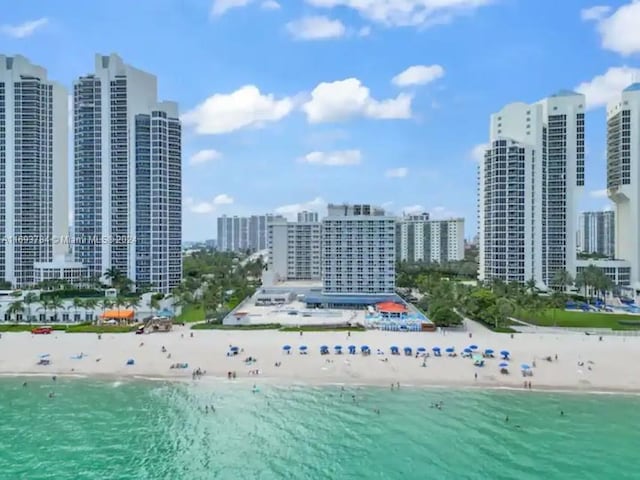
x=120, y=316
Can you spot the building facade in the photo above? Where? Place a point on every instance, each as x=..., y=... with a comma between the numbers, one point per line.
x=295, y=249
x=623, y=176
x=128, y=198
x=419, y=239
x=618, y=271
x=528, y=187
x=33, y=169
x=596, y=233
x=236, y=234
x=358, y=250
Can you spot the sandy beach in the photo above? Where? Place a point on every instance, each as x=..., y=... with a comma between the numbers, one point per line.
x=584, y=362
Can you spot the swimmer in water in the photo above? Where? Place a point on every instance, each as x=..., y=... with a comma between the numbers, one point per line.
x=51, y=394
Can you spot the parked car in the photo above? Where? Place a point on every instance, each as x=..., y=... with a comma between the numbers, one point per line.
x=42, y=331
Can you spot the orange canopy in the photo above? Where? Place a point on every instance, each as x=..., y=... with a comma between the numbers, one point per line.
x=118, y=314
x=391, y=307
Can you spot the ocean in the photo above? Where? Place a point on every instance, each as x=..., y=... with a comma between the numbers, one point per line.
x=159, y=430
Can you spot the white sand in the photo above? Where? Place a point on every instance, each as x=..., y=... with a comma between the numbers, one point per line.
x=616, y=359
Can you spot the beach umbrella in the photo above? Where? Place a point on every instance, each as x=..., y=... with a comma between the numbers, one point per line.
x=467, y=350
x=234, y=349
x=503, y=365
x=504, y=353
x=364, y=348
x=450, y=350
x=394, y=347
x=525, y=366
x=303, y=347
x=407, y=349
x=338, y=347
x=287, y=347
x=324, y=347
x=45, y=355
x=351, y=347
x=489, y=351
x=473, y=347
x=436, y=349
x=421, y=349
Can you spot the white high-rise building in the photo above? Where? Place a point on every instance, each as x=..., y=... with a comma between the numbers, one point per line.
x=420, y=239
x=623, y=175
x=358, y=250
x=295, y=249
x=128, y=198
x=596, y=233
x=33, y=169
x=237, y=234
x=528, y=188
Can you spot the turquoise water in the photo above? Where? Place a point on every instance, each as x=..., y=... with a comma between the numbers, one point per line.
x=154, y=430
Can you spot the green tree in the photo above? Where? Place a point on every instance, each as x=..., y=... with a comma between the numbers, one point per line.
x=28, y=300
x=16, y=308
x=562, y=279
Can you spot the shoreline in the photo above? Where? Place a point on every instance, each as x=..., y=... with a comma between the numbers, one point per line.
x=283, y=382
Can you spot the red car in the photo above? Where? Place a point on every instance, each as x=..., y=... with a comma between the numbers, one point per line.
x=42, y=331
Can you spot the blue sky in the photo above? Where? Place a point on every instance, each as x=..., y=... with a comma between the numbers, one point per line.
x=293, y=104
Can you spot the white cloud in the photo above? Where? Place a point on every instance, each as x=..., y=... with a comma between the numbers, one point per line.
x=343, y=99
x=439, y=213
x=598, y=193
x=207, y=206
x=220, y=7
x=337, y=158
x=605, y=88
x=418, y=75
x=316, y=28
x=413, y=210
x=246, y=107
x=222, y=199
x=594, y=13
x=608, y=207
x=399, y=172
x=364, y=31
x=620, y=32
x=477, y=153
x=270, y=5
x=25, y=29
x=204, y=156
x=406, y=12
x=290, y=211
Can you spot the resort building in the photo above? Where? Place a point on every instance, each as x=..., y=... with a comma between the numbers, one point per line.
x=33, y=169
x=596, y=233
x=294, y=249
x=420, y=239
x=128, y=198
x=61, y=268
x=528, y=187
x=618, y=271
x=623, y=175
x=238, y=234
x=358, y=251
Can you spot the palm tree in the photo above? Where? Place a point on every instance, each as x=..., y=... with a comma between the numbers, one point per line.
x=44, y=305
x=55, y=304
x=29, y=299
x=562, y=278
x=133, y=303
x=105, y=304
x=154, y=303
x=78, y=303
x=90, y=304
x=119, y=302
x=15, y=308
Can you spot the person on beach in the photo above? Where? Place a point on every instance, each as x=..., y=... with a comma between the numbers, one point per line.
x=392, y=386
x=398, y=385
x=476, y=375
x=506, y=419
x=24, y=384
x=54, y=378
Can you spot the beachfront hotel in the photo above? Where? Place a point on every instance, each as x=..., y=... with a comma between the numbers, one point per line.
x=127, y=156
x=623, y=179
x=295, y=249
x=528, y=187
x=596, y=233
x=358, y=250
x=33, y=169
x=239, y=234
x=421, y=239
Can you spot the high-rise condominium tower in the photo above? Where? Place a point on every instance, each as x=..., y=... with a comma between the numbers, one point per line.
x=596, y=233
x=529, y=183
x=33, y=169
x=128, y=211
x=623, y=175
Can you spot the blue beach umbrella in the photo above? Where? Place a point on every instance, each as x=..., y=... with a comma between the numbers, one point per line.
x=351, y=347
x=338, y=347
x=467, y=350
x=234, y=349
x=287, y=347
x=436, y=349
x=503, y=365
x=505, y=354
x=303, y=347
x=489, y=351
x=364, y=348
x=473, y=347
x=324, y=347
x=421, y=349
x=45, y=355
x=394, y=347
x=525, y=366
x=450, y=350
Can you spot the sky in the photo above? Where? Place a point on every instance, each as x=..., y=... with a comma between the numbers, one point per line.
x=291, y=104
